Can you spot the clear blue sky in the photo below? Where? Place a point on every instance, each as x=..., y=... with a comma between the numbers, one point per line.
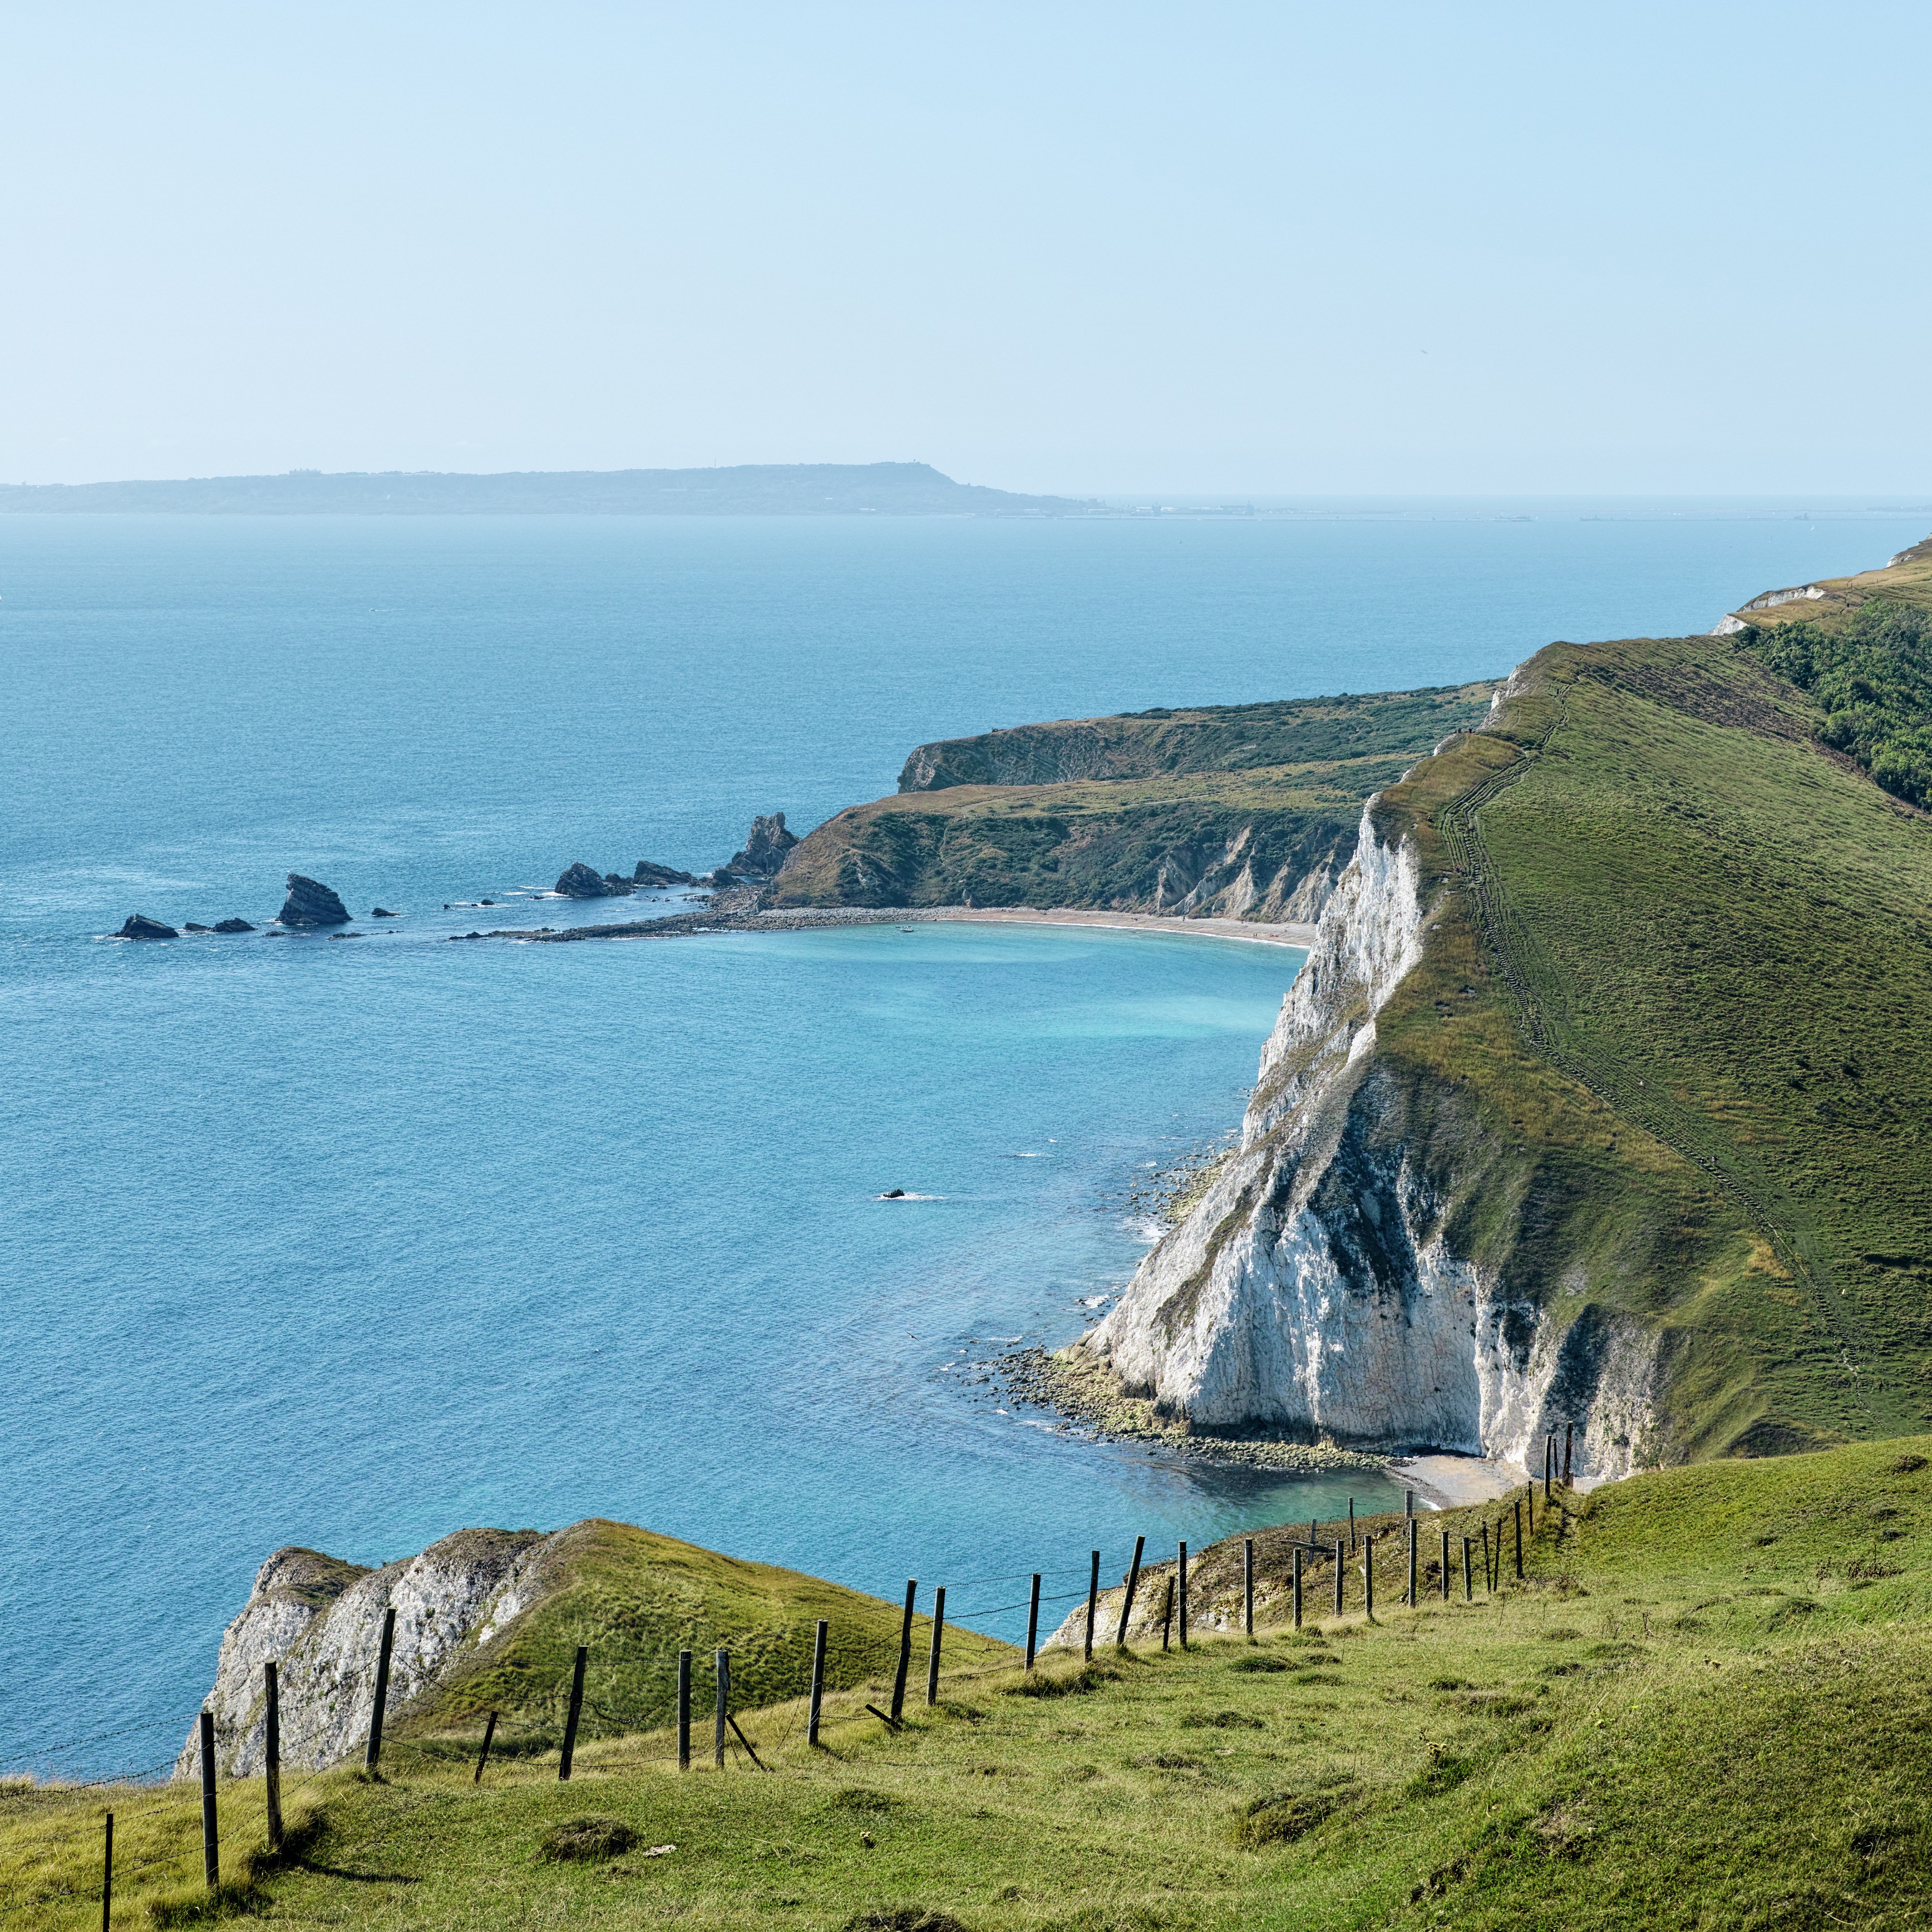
x=1271, y=248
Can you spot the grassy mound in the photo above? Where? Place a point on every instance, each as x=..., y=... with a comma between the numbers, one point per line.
x=1704, y=1705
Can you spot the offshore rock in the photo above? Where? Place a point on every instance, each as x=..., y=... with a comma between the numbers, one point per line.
x=765, y=850
x=311, y=903
x=140, y=926
x=189, y=926
x=233, y=925
x=577, y=881
x=649, y=873
x=380, y=912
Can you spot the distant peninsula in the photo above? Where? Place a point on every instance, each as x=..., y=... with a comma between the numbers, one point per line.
x=748, y=489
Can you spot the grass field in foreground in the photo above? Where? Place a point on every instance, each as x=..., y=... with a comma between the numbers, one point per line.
x=1707, y=1705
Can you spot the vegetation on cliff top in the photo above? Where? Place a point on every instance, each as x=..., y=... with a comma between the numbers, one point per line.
x=1223, y=810
x=1704, y=1705
x=1666, y=1051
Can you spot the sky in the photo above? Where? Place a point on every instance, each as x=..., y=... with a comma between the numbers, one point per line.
x=1093, y=248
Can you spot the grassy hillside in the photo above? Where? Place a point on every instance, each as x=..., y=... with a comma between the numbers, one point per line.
x=637, y=1599
x=1668, y=1046
x=1220, y=811
x=1706, y=1704
x=1301, y=731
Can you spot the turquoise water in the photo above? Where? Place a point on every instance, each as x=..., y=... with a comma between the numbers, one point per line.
x=353, y=1244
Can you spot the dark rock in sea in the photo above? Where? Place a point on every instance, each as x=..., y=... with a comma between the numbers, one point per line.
x=346, y=935
x=893, y=1194
x=765, y=850
x=379, y=912
x=233, y=925
x=649, y=873
x=311, y=903
x=720, y=878
x=619, y=887
x=140, y=926
x=189, y=925
x=487, y=902
x=580, y=882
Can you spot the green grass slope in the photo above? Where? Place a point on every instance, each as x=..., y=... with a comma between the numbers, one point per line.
x=1706, y=1704
x=1668, y=1047
x=1223, y=810
x=635, y=1599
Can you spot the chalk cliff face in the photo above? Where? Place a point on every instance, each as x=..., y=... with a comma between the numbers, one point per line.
x=321, y=1619
x=1316, y=1287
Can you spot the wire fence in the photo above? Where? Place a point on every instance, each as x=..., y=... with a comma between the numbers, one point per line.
x=150, y=1795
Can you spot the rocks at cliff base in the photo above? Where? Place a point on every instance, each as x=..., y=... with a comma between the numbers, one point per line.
x=765, y=850
x=140, y=926
x=579, y=882
x=311, y=903
x=649, y=873
x=233, y=925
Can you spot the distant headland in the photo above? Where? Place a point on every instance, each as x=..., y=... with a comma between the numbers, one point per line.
x=748, y=489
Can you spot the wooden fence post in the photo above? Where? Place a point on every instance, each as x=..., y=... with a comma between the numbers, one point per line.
x=1248, y=1586
x=1487, y=1584
x=107, y=1875
x=817, y=1684
x=905, y=1652
x=211, y=1837
x=1408, y=1505
x=483, y=1756
x=1339, y=1547
x=1411, y=1561
x=1445, y=1566
x=720, y=1669
x=271, y=1752
x=1519, y=1539
x=1180, y=1571
x=1167, y=1612
x=1548, y=1464
x=374, y=1753
x=1368, y=1578
x=1297, y=1586
x=1092, y=1603
x=571, y=1716
x=1569, y=1429
x=684, y=1710
x=932, y=1660
x=1033, y=1620
x=1468, y=1590
x=1127, y=1600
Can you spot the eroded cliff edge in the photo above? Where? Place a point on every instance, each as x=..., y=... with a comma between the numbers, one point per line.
x=1539, y=1138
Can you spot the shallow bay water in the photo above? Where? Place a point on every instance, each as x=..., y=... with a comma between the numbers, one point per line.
x=355, y=1243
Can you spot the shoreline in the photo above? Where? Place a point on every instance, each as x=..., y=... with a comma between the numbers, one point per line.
x=808, y=918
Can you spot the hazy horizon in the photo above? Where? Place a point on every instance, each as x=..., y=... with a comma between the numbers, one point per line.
x=1247, y=250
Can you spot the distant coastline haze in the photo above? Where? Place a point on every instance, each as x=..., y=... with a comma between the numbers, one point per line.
x=1073, y=252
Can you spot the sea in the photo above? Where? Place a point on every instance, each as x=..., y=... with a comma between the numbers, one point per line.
x=353, y=1244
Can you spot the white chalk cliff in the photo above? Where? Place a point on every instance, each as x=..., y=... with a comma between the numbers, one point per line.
x=1314, y=1288
x=321, y=1621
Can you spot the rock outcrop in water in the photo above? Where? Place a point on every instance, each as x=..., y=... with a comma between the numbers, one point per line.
x=577, y=881
x=311, y=903
x=649, y=873
x=233, y=925
x=765, y=850
x=140, y=926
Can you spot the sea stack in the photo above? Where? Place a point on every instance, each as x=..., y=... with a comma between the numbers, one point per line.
x=311, y=903
x=233, y=925
x=765, y=850
x=140, y=926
